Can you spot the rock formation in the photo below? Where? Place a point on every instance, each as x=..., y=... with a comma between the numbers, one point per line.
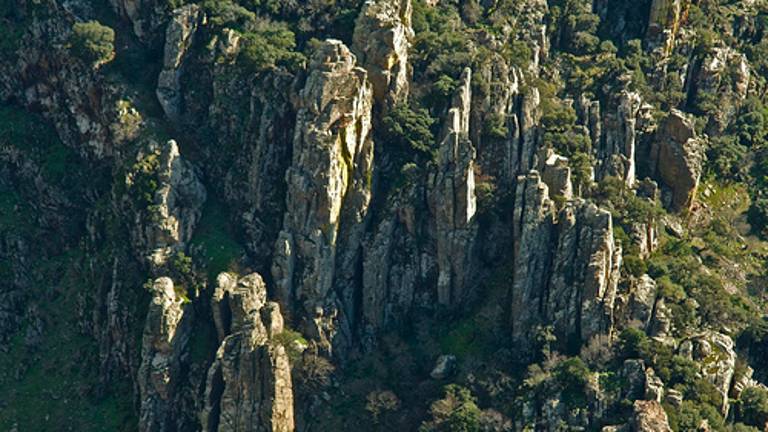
x=452, y=199
x=249, y=383
x=166, y=332
x=381, y=41
x=569, y=268
x=676, y=159
x=167, y=224
x=649, y=416
x=329, y=178
x=178, y=38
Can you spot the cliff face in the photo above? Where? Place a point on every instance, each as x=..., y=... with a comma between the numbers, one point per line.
x=249, y=383
x=329, y=184
x=383, y=214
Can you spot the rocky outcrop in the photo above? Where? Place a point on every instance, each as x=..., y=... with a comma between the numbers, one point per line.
x=146, y=16
x=166, y=224
x=557, y=175
x=616, y=138
x=569, y=268
x=381, y=42
x=166, y=332
x=640, y=301
x=395, y=264
x=718, y=83
x=715, y=353
x=533, y=235
x=649, y=416
x=664, y=21
x=453, y=201
x=178, y=39
x=511, y=108
x=585, y=273
x=249, y=383
x=676, y=159
x=329, y=180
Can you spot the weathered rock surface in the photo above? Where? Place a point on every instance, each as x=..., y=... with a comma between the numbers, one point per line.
x=381, y=42
x=166, y=332
x=715, y=353
x=649, y=416
x=178, y=39
x=249, y=383
x=570, y=269
x=557, y=175
x=533, y=235
x=328, y=180
x=453, y=201
x=167, y=224
x=676, y=159
x=585, y=272
x=146, y=16
x=722, y=77
x=617, y=137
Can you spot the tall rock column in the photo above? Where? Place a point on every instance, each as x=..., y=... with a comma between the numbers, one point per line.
x=532, y=232
x=453, y=200
x=166, y=333
x=566, y=269
x=381, y=41
x=248, y=387
x=618, y=136
x=178, y=39
x=585, y=273
x=329, y=176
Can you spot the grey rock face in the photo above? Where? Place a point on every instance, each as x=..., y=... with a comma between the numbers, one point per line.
x=146, y=16
x=724, y=75
x=570, y=269
x=617, y=138
x=444, y=367
x=654, y=386
x=642, y=299
x=715, y=353
x=249, y=383
x=178, y=38
x=328, y=180
x=585, y=272
x=649, y=416
x=381, y=42
x=557, y=175
x=676, y=158
x=452, y=199
x=168, y=223
x=166, y=332
x=533, y=222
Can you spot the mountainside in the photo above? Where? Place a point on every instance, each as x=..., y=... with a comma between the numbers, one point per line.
x=417, y=215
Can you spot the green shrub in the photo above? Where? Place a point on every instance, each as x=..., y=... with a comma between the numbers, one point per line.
x=408, y=130
x=269, y=45
x=753, y=406
x=573, y=376
x=92, y=42
x=456, y=412
x=634, y=265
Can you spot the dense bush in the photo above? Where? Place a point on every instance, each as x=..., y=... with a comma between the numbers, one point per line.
x=753, y=406
x=92, y=42
x=456, y=412
x=408, y=130
x=269, y=45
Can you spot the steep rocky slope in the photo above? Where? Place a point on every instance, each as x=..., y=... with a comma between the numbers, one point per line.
x=385, y=214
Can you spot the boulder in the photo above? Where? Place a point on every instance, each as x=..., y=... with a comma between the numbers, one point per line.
x=676, y=159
